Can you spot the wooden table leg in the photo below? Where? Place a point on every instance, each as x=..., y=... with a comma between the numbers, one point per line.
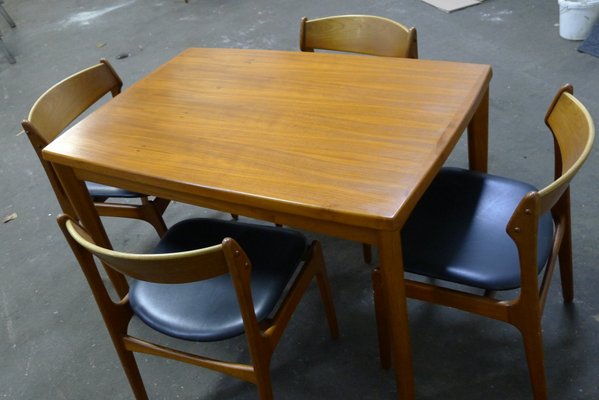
x=478, y=136
x=86, y=213
x=392, y=272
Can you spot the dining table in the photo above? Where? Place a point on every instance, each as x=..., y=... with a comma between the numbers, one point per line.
x=338, y=144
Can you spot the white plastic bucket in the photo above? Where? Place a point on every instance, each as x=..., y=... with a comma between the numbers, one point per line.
x=577, y=17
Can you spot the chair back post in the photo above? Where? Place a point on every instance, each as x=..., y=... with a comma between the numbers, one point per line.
x=567, y=88
x=413, y=44
x=117, y=86
x=302, y=36
x=240, y=268
x=38, y=142
x=523, y=228
x=260, y=345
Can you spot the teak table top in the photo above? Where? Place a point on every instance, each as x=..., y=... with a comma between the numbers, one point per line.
x=351, y=138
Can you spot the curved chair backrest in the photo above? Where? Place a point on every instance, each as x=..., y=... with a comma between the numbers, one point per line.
x=364, y=34
x=573, y=132
x=64, y=102
x=181, y=267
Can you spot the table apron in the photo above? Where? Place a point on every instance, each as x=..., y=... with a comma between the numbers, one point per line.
x=314, y=224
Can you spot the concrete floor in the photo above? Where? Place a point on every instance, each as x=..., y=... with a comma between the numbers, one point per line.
x=53, y=344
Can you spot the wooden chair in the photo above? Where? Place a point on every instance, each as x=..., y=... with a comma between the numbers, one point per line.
x=496, y=234
x=55, y=110
x=364, y=34
x=207, y=280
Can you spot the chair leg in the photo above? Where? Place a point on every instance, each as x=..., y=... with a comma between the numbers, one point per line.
x=533, y=346
x=11, y=59
x=325, y=290
x=6, y=16
x=565, y=251
x=367, y=253
x=153, y=214
x=565, y=268
x=261, y=349
x=131, y=371
x=380, y=311
x=160, y=204
x=263, y=381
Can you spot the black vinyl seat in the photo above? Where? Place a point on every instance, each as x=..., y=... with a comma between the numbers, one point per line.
x=102, y=192
x=208, y=310
x=469, y=244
